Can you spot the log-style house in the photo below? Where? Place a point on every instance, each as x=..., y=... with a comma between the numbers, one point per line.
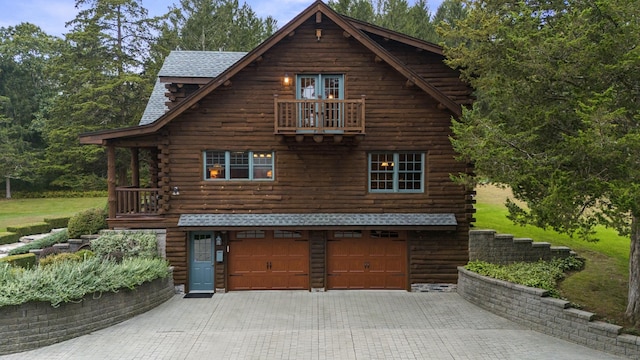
x=319, y=160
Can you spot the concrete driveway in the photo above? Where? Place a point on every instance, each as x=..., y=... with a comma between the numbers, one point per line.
x=304, y=325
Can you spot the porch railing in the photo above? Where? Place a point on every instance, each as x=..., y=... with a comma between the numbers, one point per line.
x=137, y=201
x=326, y=116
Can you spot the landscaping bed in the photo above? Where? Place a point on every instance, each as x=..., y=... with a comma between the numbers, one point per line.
x=64, y=295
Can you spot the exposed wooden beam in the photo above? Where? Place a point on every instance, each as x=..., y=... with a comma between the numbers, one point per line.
x=227, y=83
x=111, y=180
x=170, y=80
x=135, y=167
x=346, y=34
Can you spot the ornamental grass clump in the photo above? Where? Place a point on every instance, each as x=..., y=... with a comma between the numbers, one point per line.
x=542, y=274
x=67, y=281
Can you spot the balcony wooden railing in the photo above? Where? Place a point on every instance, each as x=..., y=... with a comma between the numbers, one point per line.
x=137, y=201
x=326, y=116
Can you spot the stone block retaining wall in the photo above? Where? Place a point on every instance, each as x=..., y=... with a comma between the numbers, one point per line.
x=486, y=245
x=532, y=307
x=36, y=324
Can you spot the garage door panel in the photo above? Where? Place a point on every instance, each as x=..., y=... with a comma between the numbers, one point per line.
x=366, y=263
x=268, y=263
x=347, y=281
x=248, y=282
x=288, y=282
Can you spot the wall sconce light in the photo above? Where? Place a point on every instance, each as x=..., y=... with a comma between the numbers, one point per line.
x=286, y=80
x=218, y=240
x=318, y=34
x=175, y=191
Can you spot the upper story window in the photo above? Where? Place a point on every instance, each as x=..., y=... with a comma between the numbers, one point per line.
x=320, y=107
x=238, y=165
x=319, y=86
x=396, y=172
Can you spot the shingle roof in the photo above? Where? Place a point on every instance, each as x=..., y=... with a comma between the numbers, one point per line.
x=321, y=219
x=198, y=63
x=202, y=64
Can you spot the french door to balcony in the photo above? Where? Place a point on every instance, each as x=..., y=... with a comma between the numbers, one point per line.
x=323, y=108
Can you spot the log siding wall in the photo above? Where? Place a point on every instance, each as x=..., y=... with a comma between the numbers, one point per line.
x=321, y=177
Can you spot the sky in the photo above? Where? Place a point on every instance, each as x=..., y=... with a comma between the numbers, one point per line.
x=51, y=15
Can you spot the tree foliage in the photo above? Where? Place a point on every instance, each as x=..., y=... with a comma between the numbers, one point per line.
x=102, y=85
x=557, y=111
x=216, y=25
x=25, y=96
x=415, y=20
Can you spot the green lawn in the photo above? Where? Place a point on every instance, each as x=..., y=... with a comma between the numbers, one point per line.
x=601, y=287
x=23, y=211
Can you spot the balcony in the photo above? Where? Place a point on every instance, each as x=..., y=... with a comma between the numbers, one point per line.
x=131, y=201
x=316, y=118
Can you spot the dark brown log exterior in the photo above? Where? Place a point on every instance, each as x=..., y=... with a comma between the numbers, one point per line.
x=321, y=174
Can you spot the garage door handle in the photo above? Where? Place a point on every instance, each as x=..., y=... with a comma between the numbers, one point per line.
x=268, y=265
x=366, y=265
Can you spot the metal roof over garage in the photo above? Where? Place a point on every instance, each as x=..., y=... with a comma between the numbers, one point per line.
x=443, y=221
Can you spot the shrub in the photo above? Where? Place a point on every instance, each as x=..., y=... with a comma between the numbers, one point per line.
x=9, y=238
x=30, y=229
x=119, y=245
x=87, y=222
x=542, y=274
x=56, y=223
x=58, y=194
x=58, y=258
x=26, y=261
x=85, y=254
x=70, y=281
x=53, y=238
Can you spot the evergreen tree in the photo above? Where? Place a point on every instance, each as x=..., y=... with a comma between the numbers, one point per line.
x=26, y=95
x=557, y=115
x=102, y=86
x=358, y=9
x=215, y=25
x=397, y=15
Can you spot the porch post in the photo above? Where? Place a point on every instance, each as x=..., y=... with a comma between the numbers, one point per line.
x=135, y=168
x=111, y=180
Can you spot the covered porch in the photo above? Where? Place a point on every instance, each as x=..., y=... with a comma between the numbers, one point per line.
x=133, y=204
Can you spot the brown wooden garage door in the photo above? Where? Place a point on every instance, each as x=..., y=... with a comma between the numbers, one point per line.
x=277, y=261
x=376, y=260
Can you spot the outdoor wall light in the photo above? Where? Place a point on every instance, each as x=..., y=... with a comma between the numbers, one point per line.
x=286, y=80
x=175, y=191
x=318, y=34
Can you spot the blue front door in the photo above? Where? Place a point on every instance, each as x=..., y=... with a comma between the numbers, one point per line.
x=201, y=263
